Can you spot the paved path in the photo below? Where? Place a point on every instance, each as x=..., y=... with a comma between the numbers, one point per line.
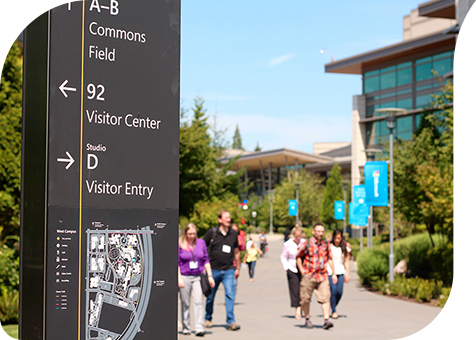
x=263, y=309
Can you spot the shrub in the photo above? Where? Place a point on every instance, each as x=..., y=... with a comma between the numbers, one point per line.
x=445, y=293
x=440, y=259
x=372, y=262
x=425, y=291
x=9, y=302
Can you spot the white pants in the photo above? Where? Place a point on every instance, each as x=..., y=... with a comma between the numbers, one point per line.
x=192, y=287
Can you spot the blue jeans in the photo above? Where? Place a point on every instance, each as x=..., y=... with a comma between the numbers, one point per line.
x=336, y=291
x=251, y=268
x=227, y=277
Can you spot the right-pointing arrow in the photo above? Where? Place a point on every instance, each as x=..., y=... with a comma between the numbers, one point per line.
x=69, y=160
x=63, y=88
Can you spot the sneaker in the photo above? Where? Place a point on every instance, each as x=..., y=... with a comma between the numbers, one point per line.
x=233, y=327
x=208, y=324
x=200, y=334
x=327, y=324
x=186, y=332
x=308, y=324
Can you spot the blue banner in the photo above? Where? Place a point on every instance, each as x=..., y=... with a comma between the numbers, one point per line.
x=358, y=209
x=359, y=194
x=358, y=214
x=376, y=183
x=339, y=210
x=293, y=205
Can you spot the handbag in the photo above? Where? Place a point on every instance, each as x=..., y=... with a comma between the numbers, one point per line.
x=206, y=288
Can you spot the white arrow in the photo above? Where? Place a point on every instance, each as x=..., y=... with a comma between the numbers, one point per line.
x=63, y=88
x=69, y=160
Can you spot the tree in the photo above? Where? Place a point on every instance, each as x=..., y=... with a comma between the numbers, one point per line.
x=257, y=148
x=237, y=144
x=10, y=142
x=197, y=159
x=423, y=169
x=310, y=199
x=202, y=177
x=333, y=192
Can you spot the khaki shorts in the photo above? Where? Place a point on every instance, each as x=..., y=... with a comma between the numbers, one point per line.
x=308, y=285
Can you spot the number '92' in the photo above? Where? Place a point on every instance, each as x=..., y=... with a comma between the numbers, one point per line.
x=96, y=92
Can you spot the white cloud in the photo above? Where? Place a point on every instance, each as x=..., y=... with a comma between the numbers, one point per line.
x=279, y=60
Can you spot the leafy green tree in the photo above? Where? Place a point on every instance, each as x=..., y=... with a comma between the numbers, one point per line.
x=423, y=169
x=205, y=213
x=310, y=199
x=237, y=143
x=10, y=142
x=334, y=191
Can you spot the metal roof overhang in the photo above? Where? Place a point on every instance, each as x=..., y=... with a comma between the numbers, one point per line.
x=277, y=158
x=325, y=167
x=438, y=9
x=356, y=64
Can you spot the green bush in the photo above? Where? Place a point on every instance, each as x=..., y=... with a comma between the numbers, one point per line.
x=9, y=284
x=425, y=291
x=421, y=289
x=444, y=295
x=9, y=302
x=440, y=259
x=372, y=262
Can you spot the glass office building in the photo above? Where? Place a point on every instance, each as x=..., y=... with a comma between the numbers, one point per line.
x=407, y=85
x=403, y=75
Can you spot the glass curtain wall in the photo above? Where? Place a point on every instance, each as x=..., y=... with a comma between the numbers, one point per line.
x=407, y=85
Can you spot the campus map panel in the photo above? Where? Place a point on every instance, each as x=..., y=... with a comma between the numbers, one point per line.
x=113, y=169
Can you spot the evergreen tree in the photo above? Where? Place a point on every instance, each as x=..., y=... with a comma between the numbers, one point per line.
x=258, y=148
x=202, y=177
x=237, y=144
x=10, y=142
x=333, y=192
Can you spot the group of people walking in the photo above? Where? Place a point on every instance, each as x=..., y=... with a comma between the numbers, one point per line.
x=316, y=265
x=312, y=265
x=218, y=254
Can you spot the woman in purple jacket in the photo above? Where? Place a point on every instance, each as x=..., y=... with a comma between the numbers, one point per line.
x=192, y=259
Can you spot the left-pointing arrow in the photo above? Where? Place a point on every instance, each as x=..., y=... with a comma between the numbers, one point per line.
x=69, y=160
x=63, y=88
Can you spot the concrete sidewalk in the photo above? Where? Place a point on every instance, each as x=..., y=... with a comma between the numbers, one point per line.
x=263, y=309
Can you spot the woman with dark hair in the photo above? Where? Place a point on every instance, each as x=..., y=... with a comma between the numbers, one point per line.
x=341, y=257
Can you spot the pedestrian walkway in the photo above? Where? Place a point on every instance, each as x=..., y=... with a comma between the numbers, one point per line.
x=263, y=309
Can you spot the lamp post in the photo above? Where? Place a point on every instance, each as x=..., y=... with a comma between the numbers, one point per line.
x=345, y=204
x=297, y=200
x=391, y=124
x=370, y=230
x=271, y=201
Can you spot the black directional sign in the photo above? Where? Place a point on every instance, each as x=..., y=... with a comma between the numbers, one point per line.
x=111, y=169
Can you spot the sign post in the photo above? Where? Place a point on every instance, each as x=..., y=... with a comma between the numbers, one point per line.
x=110, y=132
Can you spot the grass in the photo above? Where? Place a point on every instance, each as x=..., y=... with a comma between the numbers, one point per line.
x=11, y=330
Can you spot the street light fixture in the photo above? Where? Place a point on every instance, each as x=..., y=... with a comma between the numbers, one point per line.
x=328, y=50
x=391, y=124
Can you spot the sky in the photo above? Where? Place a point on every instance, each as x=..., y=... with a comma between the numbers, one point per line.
x=257, y=64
